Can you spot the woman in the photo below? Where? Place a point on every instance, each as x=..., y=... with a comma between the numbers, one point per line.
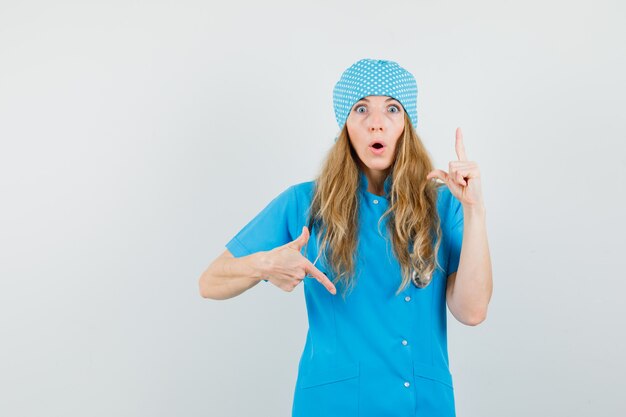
x=387, y=239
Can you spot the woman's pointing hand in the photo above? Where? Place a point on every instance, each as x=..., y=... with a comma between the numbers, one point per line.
x=463, y=180
x=287, y=267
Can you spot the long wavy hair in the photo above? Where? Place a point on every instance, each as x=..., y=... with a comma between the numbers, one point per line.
x=413, y=221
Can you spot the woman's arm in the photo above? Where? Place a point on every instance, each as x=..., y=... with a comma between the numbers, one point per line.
x=228, y=276
x=284, y=266
x=469, y=289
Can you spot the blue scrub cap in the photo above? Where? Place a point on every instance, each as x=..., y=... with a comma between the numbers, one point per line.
x=374, y=77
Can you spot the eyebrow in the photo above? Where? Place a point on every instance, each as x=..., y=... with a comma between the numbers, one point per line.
x=389, y=99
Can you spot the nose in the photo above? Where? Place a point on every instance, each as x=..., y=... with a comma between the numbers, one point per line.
x=375, y=122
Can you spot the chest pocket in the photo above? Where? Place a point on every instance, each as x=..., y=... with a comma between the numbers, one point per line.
x=328, y=392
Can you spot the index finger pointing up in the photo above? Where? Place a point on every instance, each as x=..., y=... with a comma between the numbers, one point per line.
x=460, y=148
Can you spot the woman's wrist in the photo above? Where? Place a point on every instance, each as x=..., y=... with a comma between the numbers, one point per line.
x=259, y=264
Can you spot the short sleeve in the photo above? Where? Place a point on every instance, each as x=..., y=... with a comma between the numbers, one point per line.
x=270, y=228
x=455, y=234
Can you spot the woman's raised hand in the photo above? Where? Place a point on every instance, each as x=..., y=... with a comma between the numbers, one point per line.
x=463, y=180
x=287, y=267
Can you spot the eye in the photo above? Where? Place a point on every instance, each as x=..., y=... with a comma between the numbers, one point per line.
x=396, y=107
x=356, y=109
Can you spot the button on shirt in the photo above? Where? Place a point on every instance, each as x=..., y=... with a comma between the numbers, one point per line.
x=374, y=353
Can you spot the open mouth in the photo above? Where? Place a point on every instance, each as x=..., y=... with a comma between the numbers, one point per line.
x=377, y=148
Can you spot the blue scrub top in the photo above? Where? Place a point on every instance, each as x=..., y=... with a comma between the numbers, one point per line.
x=374, y=354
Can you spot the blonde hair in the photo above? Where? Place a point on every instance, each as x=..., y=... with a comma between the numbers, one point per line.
x=413, y=220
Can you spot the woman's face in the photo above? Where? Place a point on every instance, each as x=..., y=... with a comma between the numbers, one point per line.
x=374, y=125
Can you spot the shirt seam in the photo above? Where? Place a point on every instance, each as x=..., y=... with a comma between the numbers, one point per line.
x=293, y=191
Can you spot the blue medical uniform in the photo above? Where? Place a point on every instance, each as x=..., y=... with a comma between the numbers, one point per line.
x=374, y=354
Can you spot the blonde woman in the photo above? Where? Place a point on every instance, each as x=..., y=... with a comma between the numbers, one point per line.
x=381, y=247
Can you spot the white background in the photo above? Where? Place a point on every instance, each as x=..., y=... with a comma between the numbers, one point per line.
x=138, y=137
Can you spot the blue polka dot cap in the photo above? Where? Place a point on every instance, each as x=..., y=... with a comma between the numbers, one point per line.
x=374, y=77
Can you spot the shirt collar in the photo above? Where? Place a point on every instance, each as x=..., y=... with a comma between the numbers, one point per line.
x=364, y=183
